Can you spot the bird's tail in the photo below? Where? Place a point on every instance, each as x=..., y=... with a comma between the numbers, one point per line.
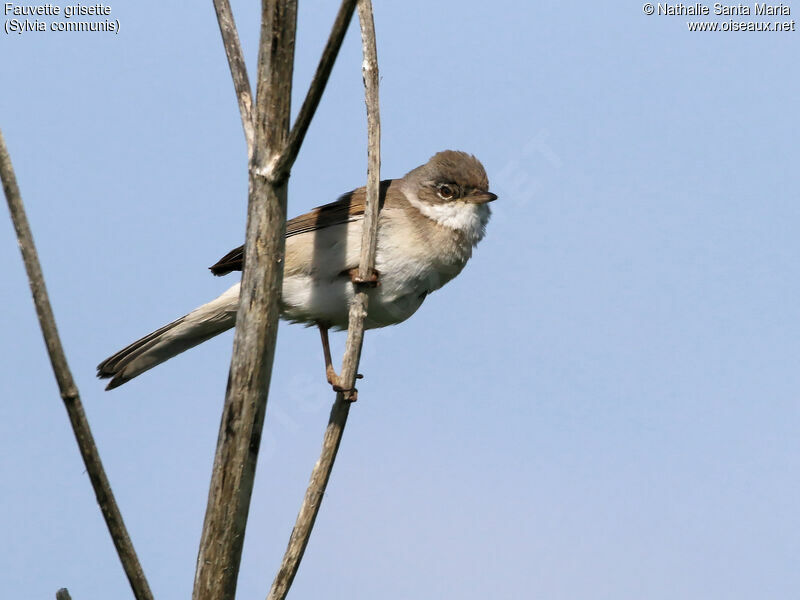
x=201, y=324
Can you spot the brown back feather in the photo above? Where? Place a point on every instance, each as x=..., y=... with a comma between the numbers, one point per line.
x=347, y=208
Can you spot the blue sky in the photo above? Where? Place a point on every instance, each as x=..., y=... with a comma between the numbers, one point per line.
x=603, y=405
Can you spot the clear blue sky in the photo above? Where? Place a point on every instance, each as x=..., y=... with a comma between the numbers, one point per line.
x=603, y=405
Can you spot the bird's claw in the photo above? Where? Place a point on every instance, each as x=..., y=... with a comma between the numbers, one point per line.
x=350, y=394
x=372, y=281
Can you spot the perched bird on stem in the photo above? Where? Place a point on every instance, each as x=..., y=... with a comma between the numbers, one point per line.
x=430, y=220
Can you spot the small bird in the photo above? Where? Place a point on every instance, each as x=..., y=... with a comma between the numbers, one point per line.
x=430, y=220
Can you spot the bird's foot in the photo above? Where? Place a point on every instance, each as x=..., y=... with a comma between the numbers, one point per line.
x=350, y=394
x=372, y=281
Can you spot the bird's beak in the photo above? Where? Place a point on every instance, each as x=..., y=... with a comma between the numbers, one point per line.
x=479, y=197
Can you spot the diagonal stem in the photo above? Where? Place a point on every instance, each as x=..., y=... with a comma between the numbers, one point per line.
x=66, y=384
x=315, y=90
x=241, y=82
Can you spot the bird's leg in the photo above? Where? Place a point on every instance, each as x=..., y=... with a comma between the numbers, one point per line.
x=372, y=281
x=330, y=372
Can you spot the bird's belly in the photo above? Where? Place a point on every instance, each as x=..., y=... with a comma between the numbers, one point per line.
x=306, y=299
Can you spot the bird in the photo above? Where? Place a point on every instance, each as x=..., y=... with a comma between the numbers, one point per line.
x=430, y=221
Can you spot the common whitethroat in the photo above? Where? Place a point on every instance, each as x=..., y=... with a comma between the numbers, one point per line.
x=430, y=220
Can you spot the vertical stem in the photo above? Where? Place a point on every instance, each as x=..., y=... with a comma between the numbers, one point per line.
x=257, y=319
x=369, y=232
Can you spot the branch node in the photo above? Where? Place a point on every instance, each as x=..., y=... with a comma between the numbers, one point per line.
x=70, y=394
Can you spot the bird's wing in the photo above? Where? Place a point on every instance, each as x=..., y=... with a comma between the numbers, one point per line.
x=348, y=208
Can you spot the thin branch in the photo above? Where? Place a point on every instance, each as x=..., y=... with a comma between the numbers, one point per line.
x=242, y=420
x=241, y=82
x=320, y=476
x=66, y=384
x=369, y=237
x=315, y=90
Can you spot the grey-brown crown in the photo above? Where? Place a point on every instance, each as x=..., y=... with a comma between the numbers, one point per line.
x=452, y=166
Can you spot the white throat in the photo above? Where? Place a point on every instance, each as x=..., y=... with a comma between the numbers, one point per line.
x=469, y=219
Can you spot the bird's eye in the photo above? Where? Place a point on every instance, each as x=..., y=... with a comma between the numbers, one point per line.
x=446, y=191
